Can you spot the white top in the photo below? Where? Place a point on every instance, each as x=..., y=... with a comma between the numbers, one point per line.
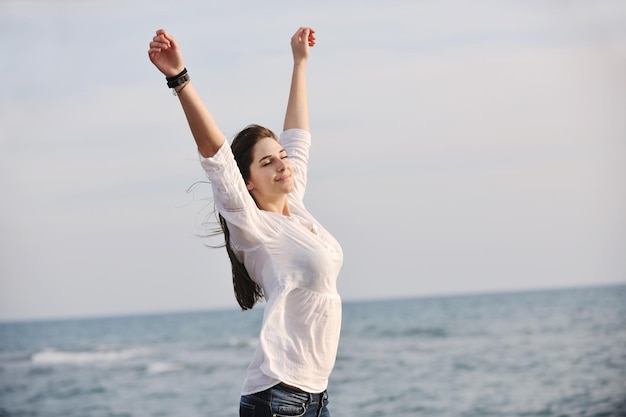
x=296, y=262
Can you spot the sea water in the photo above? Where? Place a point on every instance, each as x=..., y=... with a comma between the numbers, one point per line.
x=547, y=353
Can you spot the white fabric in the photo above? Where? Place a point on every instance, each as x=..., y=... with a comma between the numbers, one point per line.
x=296, y=262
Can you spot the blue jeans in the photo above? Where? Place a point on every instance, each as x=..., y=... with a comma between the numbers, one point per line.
x=284, y=401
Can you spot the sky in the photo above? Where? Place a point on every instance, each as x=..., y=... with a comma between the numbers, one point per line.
x=458, y=147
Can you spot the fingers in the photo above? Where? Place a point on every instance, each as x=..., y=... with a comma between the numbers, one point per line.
x=171, y=40
x=159, y=43
x=162, y=41
x=303, y=34
x=156, y=47
x=311, y=37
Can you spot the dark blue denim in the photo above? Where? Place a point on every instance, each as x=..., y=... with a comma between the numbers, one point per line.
x=284, y=401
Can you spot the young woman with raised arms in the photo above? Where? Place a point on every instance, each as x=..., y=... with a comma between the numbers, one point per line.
x=277, y=249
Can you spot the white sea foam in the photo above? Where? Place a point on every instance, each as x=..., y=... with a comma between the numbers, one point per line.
x=163, y=367
x=51, y=356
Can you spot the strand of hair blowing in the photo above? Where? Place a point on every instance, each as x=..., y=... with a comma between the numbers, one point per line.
x=247, y=292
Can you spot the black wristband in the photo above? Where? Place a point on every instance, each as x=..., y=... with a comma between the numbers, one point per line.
x=183, y=72
x=180, y=79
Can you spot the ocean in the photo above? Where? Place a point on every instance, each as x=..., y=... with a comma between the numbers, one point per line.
x=544, y=353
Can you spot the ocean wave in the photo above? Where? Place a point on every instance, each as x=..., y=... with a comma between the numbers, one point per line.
x=243, y=342
x=58, y=357
x=163, y=367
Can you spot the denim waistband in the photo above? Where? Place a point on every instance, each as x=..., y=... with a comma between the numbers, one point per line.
x=312, y=397
x=315, y=397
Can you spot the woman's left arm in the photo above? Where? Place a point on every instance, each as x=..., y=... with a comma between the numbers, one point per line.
x=297, y=116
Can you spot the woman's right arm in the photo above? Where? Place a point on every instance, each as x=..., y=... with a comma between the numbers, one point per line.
x=166, y=55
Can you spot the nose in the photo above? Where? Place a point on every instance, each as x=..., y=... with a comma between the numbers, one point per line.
x=281, y=165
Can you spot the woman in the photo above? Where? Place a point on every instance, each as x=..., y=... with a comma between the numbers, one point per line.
x=278, y=250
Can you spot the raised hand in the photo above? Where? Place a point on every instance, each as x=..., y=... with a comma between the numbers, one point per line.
x=297, y=115
x=301, y=41
x=165, y=54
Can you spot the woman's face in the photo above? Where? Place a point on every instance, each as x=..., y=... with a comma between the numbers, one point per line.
x=271, y=173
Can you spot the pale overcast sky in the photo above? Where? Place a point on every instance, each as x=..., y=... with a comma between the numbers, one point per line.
x=459, y=147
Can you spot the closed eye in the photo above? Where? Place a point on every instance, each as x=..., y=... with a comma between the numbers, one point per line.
x=267, y=159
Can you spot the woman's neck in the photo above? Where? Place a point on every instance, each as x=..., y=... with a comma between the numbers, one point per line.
x=280, y=206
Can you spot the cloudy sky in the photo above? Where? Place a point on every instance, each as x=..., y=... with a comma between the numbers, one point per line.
x=459, y=147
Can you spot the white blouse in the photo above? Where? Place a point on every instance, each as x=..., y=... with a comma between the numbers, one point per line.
x=296, y=262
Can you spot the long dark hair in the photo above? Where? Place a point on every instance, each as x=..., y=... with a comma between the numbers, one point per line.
x=247, y=292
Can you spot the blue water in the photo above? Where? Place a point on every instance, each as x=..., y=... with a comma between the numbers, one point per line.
x=550, y=353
